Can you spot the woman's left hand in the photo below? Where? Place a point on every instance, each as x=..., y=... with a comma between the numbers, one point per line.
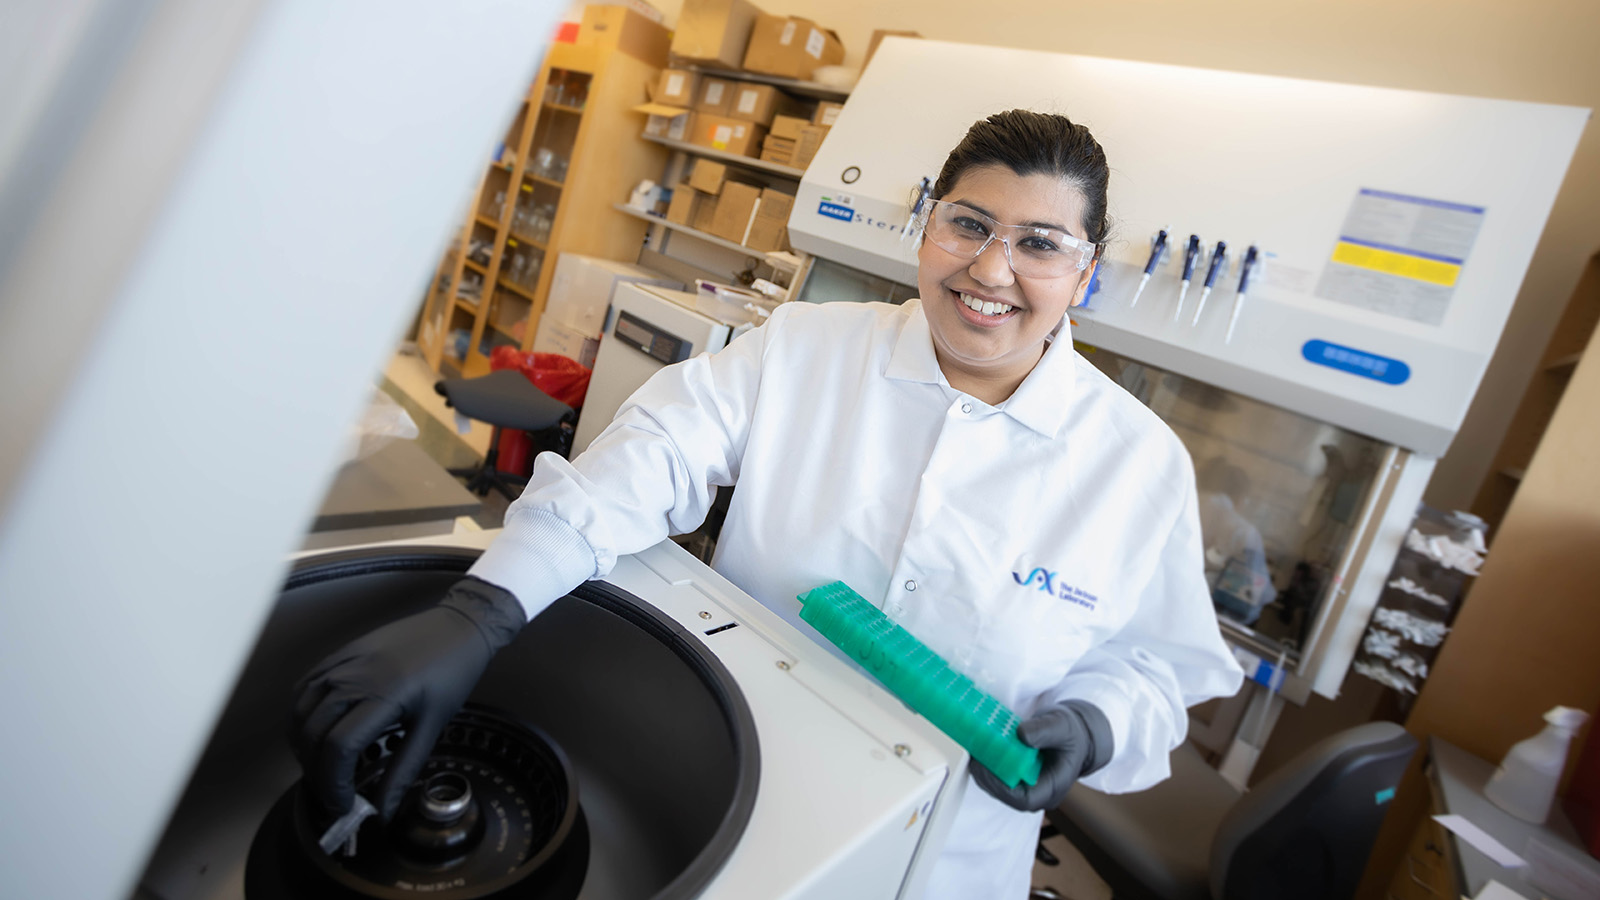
x=1074, y=739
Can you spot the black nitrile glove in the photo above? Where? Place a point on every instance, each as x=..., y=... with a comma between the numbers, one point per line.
x=416, y=672
x=1074, y=739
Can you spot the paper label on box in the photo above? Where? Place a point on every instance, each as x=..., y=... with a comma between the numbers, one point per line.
x=713, y=92
x=787, y=35
x=721, y=137
x=738, y=131
x=675, y=84
x=747, y=101
x=830, y=115
x=814, y=44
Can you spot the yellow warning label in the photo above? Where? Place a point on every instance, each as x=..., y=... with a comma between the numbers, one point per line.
x=1404, y=265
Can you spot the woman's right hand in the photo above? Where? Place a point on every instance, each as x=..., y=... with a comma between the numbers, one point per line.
x=415, y=672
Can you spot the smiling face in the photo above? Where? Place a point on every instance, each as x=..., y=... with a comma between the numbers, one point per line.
x=988, y=323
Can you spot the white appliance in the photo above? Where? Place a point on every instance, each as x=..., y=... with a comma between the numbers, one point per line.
x=839, y=791
x=1393, y=228
x=651, y=327
x=580, y=298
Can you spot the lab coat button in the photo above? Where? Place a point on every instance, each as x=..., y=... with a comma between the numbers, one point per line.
x=911, y=585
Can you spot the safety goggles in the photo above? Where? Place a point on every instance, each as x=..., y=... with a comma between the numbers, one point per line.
x=1032, y=252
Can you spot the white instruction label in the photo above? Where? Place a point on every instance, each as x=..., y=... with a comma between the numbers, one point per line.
x=675, y=84
x=815, y=43
x=787, y=36
x=713, y=93
x=747, y=101
x=1401, y=255
x=721, y=137
x=830, y=116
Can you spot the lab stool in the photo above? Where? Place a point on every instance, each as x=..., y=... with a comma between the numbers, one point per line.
x=507, y=399
x=1304, y=832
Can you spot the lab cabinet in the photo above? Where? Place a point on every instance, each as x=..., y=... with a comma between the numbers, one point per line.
x=569, y=149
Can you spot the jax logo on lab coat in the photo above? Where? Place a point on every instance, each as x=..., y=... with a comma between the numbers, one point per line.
x=1052, y=584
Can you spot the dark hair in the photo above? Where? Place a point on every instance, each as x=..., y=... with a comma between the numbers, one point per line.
x=1032, y=143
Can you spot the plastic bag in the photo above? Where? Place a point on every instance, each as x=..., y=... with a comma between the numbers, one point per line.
x=565, y=379
x=381, y=422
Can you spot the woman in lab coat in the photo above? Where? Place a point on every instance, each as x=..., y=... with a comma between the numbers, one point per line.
x=952, y=459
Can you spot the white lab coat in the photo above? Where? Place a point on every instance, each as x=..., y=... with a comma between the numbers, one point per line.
x=1049, y=547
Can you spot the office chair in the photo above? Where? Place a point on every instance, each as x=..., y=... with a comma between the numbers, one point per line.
x=1304, y=832
x=505, y=398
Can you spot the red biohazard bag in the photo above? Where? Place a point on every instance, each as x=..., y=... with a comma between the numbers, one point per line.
x=565, y=379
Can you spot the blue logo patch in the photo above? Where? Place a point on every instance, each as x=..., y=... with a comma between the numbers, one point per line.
x=836, y=211
x=1047, y=581
x=1356, y=362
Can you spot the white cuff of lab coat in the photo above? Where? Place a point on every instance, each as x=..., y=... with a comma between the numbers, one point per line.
x=1133, y=766
x=539, y=558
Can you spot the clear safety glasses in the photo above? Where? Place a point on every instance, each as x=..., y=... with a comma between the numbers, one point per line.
x=1032, y=252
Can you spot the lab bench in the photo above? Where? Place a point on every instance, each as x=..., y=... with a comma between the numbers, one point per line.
x=1440, y=864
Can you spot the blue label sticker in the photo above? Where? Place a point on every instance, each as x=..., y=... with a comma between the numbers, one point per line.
x=1383, y=796
x=1356, y=362
x=836, y=211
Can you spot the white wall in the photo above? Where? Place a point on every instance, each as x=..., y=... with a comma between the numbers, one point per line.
x=1537, y=51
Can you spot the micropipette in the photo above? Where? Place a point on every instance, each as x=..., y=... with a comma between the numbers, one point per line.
x=923, y=191
x=1219, y=258
x=1158, y=249
x=1245, y=271
x=1190, y=254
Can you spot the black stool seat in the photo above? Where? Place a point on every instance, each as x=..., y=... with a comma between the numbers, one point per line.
x=505, y=399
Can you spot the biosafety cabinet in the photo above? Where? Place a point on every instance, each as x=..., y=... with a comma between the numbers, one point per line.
x=1372, y=240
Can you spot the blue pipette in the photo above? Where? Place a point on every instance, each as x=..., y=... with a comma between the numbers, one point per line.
x=1158, y=249
x=1219, y=257
x=1251, y=256
x=1191, y=253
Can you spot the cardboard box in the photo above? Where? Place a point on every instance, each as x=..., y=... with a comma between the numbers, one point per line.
x=708, y=175
x=558, y=337
x=736, y=207
x=714, y=96
x=663, y=121
x=676, y=87
x=777, y=150
x=791, y=47
x=827, y=113
x=734, y=136
x=811, y=138
x=714, y=33
x=630, y=31
x=705, y=212
x=759, y=103
x=686, y=201
x=768, y=235
x=877, y=37
x=787, y=127
x=775, y=204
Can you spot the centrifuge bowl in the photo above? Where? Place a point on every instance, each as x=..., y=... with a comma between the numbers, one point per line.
x=658, y=734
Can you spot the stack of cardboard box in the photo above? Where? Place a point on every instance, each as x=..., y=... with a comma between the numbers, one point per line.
x=793, y=142
x=725, y=114
x=747, y=214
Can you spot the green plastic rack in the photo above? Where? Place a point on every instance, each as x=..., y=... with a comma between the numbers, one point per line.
x=922, y=680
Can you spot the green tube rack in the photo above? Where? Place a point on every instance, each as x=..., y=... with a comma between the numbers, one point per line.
x=922, y=680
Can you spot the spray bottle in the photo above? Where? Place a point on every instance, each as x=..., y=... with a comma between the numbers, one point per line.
x=1526, y=781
